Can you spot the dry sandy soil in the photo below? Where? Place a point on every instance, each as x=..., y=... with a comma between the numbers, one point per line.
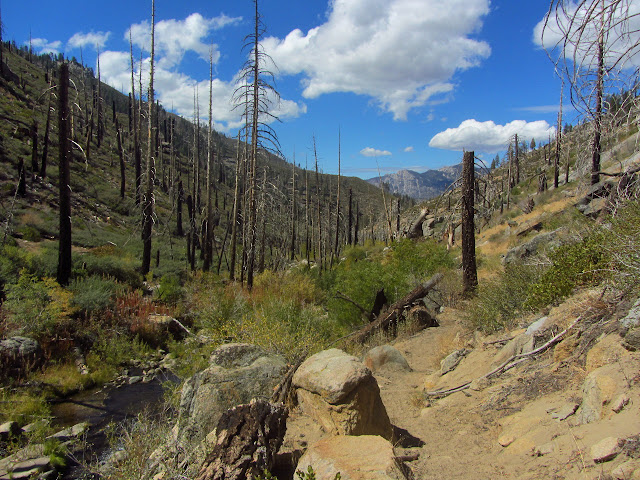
x=463, y=432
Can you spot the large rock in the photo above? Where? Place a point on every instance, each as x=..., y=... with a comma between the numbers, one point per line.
x=342, y=395
x=598, y=389
x=533, y=247
x=18, y=355
x=632, y=319
x=237, y=373
x=385, y=358
x=355, y=458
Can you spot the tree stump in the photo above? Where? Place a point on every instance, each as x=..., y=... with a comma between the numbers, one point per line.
x=247, y=439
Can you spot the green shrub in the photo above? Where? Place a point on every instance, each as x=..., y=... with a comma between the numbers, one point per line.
x=114, y=348
x=579, y=264
x=623, y=244
x=92, y=294
x=36, y=306
x=501, y=299
x=170, y=291
x=117, y=266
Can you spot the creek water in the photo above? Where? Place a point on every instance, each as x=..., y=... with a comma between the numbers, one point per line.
x=112, y=404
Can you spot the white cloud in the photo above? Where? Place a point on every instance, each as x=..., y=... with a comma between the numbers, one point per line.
x=372, y=152
x=173, y=38
x=176, y=90
x=408, y=149
x=487, y=136
x=622, y=32
x=93, y=39
x=403, y=53
x=45, y=46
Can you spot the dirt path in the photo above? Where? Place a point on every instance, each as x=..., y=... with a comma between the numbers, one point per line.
x=463, y=432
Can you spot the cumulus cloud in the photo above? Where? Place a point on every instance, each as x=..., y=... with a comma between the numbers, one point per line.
x=173, y=38
x=408, y=149
x=45, y=46
x=372, y=152
x=93, y=39
x=487, y=136
x=176, y=90
x=403, y=53
x=622, y=37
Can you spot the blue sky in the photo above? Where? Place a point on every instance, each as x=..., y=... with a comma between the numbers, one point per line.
x=409, y=83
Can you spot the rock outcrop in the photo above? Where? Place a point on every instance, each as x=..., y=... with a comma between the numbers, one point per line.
x=237, y=373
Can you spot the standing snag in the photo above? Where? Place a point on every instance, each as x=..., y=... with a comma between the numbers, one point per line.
x=64, y=248
x=469, y=269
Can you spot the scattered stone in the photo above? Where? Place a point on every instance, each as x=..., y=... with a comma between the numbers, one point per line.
x=38, y=424
x=531, y=248
x=619, y=403
x=536, y=326
x=341, y=394
x=605, y=450
x=632, y=319
x=71, y=433
x=21, y=457
x=451, y=361
x=355, y=458
x=632, y=339
x=625, y=470
x=598, y=389
x=19, y=355
x=385, y=357
x=524, y=229
x=479, y=384
x=545, y=449
x=506, y=440
x=8, y=430
x=134, y=379
x=522, y=343
x=565, y=411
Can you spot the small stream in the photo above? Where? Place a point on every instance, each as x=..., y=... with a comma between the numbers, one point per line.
x=111, y=404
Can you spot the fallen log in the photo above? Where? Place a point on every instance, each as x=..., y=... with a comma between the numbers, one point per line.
x=392, y=313
x=247, y=439
x=416, y=229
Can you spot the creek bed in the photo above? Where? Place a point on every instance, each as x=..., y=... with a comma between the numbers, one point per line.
x=111, y=404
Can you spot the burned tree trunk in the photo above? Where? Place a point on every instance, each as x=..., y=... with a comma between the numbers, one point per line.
x=64, y=250
x=247, y=439
x=391, y=315
x=469, y=270
x=416, y=229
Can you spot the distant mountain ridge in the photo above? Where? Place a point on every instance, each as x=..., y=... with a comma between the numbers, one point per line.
x=420, y=186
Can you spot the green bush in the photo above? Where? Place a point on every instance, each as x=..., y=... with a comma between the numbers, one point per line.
x=36, y=306
x=501, y=299
x=92, y=294
x=170, y=291
x=397, y=269
x=579, y=264
x=117, y=266
x=623, y=245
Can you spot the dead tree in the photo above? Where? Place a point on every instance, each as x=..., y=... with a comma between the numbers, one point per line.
x=147, y=215
x=416, y=229
x=593, y=43
x=469, y=269
x=247, y=439
x=64, y=246
x=392, y=314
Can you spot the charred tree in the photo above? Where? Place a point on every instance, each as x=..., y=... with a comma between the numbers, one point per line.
x=64, y=245
x=469, y=269
x=147, y=215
